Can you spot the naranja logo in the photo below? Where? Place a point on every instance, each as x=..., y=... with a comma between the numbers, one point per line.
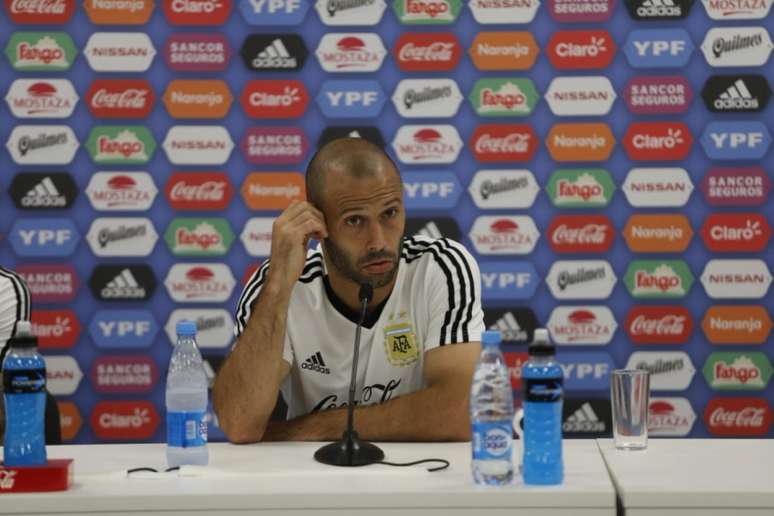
x=197, y=99
x=136, y=12
x=492, y=51
x=270, y=191
x=70, y=420
x=661, y=233
x=580, y=142
x=737, y=324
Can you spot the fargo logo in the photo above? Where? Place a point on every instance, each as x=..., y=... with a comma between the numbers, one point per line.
x=43, y=191
x=747, y=279
x=122, y=282
x=119, y=52
x=737, y=9
x=351, y=52
x=580, y=188
x=580, y=11
x=41, y=98
x=123, y=329
x=256, y=236
x=199, y=191
x=736, y=140
x=670, y=417
x=124, y=420
x=669, y=370
x=120, y=145
x=736, y=324
x=581, y=279
x=273, y=12
x=582, y=325
x=742, y=186
x=658, y=95
x=42, y=144
x=124, y=374
x=658, y=48
x=200, y=282
x=41, y=51
x=503, y=97
x=423, y=12
x=418, y=144
x=280, y=145
x=124, y=191
x=274, y=52
x=658, y=279
x=738, y=417
x=659, y=324
x=736, y=93
x=120, y=98
x=44, y=237
x=427, y=98
x=351, y=98
x=505, y=11
x=750, y=370
x=274, y=99
x=191, y=52
x=269, y=191
x=507, y=189
x=500, y=234
x=581, y=49
x=122, y=236
x=581, y=234
x=347, y=12
x=736, y=232
x=516, y=325
x=737, y=46
x=658, y=141
x=56, y=329
x=586, y=371
x=199, y=237
x=431, y=190
x=50, y=283
x=40, y=11
x=492, y=51
x=662, y=233
x=493, y=143
x=197, y=99
x=196, y=12
x=646, y=10
x=580, y=96
x=214, y=327
x=108, y=12
x=580, y=142
x=198, y=144
x=427, y=51
x=657, y=187
x=508, y=280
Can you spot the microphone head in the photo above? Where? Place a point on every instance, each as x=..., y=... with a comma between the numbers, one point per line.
x=366, y=292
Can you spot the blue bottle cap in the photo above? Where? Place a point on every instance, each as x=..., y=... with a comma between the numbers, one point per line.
x=491, y=338
x=186, y=327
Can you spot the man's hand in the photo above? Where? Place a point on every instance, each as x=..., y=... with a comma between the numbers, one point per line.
x=290, y=236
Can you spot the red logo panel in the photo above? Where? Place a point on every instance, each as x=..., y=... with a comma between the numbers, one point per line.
x=581, y=234
x=659, y=324
x=131, y=420
x=40, y=12
x=274, y=99
x=427, y=52
x=738, y=417
x=504, y=142
x=55, y=329
x=736, y=232
x=581, y=49
x=199, y=191
x=658, y=141
x=196, y=12
x=120, y=98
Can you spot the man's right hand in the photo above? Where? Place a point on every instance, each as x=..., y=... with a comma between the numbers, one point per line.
x=290, y=236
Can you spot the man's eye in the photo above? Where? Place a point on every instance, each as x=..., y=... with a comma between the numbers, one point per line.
x=353, y=221
x=391, y=212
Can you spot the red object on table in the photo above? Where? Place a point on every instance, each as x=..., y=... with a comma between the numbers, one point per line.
x=55, y=475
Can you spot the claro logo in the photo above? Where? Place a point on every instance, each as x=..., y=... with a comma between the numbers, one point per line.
x=130, y=420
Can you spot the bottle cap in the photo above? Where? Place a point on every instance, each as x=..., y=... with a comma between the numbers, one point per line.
x=22, y=336
x=541, y=344
x=186, y=327
x=490, y=338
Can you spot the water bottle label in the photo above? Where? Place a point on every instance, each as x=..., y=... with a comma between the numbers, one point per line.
x=492, y=440
x=24, y=381
x=186, y=429
x=543, y=390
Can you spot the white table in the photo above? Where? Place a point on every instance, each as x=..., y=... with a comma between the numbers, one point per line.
x=694, y=477
x=283, y=478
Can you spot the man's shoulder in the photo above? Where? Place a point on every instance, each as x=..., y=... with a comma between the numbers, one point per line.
x=421, y=250
x=313, y=269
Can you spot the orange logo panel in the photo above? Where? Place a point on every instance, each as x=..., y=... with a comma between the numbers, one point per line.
x=136, y=12
x=273, y=191
x=70, y=420
x=197, y=99
x=580, y=142
x=736, y=324
x=658, y=233
x=504, y=51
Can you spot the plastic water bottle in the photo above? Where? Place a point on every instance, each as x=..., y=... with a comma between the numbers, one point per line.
x=186, y=401
x=491, y=414
x=24, y=386
x=542, y=378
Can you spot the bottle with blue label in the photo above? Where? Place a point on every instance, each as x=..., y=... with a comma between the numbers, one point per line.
x=491, y=415
x=186, y=401
x=542, y=378
x=24, y=391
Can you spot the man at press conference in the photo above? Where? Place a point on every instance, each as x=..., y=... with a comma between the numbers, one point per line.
x=297, y=315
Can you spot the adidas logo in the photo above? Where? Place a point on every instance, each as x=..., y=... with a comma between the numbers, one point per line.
x=431, y=230
x=44, y=195
x=659, y=8
x=276, y=55
x=123, y=286
x=354, y=134
x=315, y=363
x=510, y=329
x=736, y=97
x=584, y=420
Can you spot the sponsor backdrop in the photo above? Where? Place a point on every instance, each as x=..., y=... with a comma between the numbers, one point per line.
x=608, y=162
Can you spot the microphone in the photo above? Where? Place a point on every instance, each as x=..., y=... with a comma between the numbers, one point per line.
x=351, y=450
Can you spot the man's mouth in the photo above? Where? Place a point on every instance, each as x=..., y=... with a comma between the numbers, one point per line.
x=378, y=266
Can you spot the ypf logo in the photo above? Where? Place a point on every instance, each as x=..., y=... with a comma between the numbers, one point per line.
x=658, y=279
x=508, y=280
x=50, y=283
x=137, y=12
x=348, y=12
x=658, y=141
x=120, y=145
x=124, y=420
x=418, y=144
x=736, y=140
x=427, y=98
x=121, y=191
x=586, y=370
x=42, y=144
x=196, y=12
x=199, y=191
x=191, y=52
x=44, y=237
x=123, y=329
x=431, y=190
x=736, y=93
x=280, y=145
x=736, y=324
x=41, y=51
x=503, y=51
x=581, y=50
x=582, y=325
x=504, y=189
x=580, y=11
x=737, y=9
x=43, y=190
x=362, y=98
x=273, y=12
x=40, y=12
x=647, y=95
x=743, y=279
x=581, y=279
x=581, y=234
x=662, y=233
x=41, y=98
x=738, y=417
x=580, y=142
x=427, y=51
x=659, y=324
x=736, y=232
x=274, y=99
x=274, y=52
x=120, y=98
x=55, y=329
x=658, y=48
x=493, y=143
x=505, y=11
x=197, y=99
x=657, y=187
x=351, y=52
x=198, y=144
x=737, y=46
x=580, y=96
x=647, y=10
x=743, y=186
x=580, y=188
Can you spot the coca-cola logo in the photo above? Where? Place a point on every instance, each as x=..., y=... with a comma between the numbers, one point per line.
x=48, y=12
x=659, y=324
x=199, y=191
x=738, y=417
x=427, y=52
x=503, y=142
x=581, y=234
x=119, y=98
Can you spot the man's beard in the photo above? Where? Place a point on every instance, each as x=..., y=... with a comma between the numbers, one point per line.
x=343, y=263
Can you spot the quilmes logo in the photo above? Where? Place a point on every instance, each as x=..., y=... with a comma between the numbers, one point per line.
x=196, y=12
x=738, y=417
x=499, y=234
x=123, y=329
x=41, y=51
x=659, y=324
x=580, y=142
x=669, y=370
x=503, y=11
x=647, y=95
x=427, y=98
x=503, y=51
x=121, y=191
x=587, y=418
x=657, y=187
x=506, y=189
x=55, y=329
x=581, y=279
x=418, y=144
x=42, y=144
x=351, y=52
x=580, y=188
x=737, y=46
x=273, y=12
x=744, y=279
x=200, y=282
x=662, y=233
x=40, y=11
x=281, y=145
x=198, y=144
x=737, y=371
x=108, y=12
x=582, y=325
x=50, y=283
x=510, y=280
x=44, y=237
x=199, y=191
x=658, y=48
x=516, y=325
x=580, y=96
x=350, y=12
x=199, y=237
x=431, y=190
x=124, y=420
x=586, y=370
x=362, y=98
x=579, y=11
x=736, y=93
x=41, y=98
x=256, y=236
x=197, y=99
x=120, y=145
x=581, y=49
x=63, y=375
x=119, y=52
x=495, y=143
x=423, y=12
x=736, y=324
x=274, y=99
x=670, y=417
x=658, y=141
x=120, y=98
x=367, y=132
x=214, y=327
x=269, y=191
x=191, y=52
x=658, y=279
x=437, y=227
x=646, y=10
x=427, y=51
x=503, y=97
x=122, y=236
x=274, y=52
x=743, y=186
x=736, y=140
x=120, y=282
x=43, y=190
x=124, y=374
x=736, y=232
x=737, y=9
x=581, y=234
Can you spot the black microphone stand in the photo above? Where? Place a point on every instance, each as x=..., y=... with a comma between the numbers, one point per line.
x=351, y=450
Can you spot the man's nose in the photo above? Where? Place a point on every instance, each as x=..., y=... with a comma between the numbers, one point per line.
x=376, y=240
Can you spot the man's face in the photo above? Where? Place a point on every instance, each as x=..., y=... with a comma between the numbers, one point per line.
x=365, y=220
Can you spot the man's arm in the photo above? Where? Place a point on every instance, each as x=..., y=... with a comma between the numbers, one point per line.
x=438, y=412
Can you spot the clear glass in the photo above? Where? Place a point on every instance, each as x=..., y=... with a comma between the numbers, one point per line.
x=630, y=397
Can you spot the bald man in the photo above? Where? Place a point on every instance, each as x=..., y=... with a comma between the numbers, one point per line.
x=296, y=317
